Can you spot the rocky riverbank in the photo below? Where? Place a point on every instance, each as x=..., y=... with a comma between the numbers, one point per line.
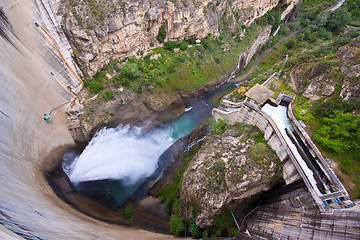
x=233, y=168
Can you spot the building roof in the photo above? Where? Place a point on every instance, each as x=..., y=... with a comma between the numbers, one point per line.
x=259, y=93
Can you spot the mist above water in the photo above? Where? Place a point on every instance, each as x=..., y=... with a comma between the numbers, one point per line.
x=118, y=160
x=118, y=153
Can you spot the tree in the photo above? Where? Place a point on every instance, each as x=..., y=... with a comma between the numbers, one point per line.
x=96, y=87
x=177, y=225
x=338, y=19
x=170, y=45
x=195, y=230
x=161, y=34
x=340, y=132
x=219, y=127
x=108, y=95
x=205, y=43
x=130, y=70
x=184, y=45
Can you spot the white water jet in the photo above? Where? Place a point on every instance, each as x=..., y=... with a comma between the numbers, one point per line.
x=188, y=109
x=119, y=153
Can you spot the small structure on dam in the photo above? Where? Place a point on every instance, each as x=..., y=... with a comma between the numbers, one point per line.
x=258, y=95
x=73, y=122
x=299, y=155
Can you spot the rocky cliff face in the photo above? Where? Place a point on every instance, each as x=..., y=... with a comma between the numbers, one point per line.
x=102, y=30
x=320, y=78
x=228, y=172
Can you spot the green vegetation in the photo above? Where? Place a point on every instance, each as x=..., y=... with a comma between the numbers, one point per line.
x=170, y=196
x=129, y=72
x=184, y=45
x=349, y=164
x=273, y=17
x=337, y=20
x=324, y=109
x=313, y=3
x=177, y=226
x=170, y=45
x=127, y=210
x=339, y=132
x=108, y=95
x=223, y=222
x=353, y=7
x=186, y=70
x=162, y=34
x=96, y=87
x=195, y=230
x=219, y=127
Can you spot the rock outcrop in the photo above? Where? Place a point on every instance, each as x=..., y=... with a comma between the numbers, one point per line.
x=103, y=30
x=128, y=107
x=228, y=172
x=245, y=57
x=319, y=78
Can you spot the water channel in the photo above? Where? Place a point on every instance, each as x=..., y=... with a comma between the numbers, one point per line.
x=279, y=116
x=118, y=160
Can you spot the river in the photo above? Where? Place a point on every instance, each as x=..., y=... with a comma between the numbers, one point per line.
x=118, y=160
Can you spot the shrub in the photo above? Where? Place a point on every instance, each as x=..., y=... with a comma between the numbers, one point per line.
x=195, y=230
x=258, y=151
x=116, y=80
x=323, y=34
x=205, y=234
x=340, y=132
x=184, y=45
x=129, y=72
x=338, y=19
x=108, y=95
x=200, y=48
x=219, y=127
x=223, y=222
x=290, y=43
x=330, y=106
x=170, y=45
x=177, y=225
x=181, y=58
x=127, y=210
x=112, y=65
x=205, y=43
x=96, y=87
x=162, y=34
x=192, y=41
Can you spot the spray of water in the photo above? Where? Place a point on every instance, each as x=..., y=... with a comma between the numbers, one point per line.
x=119, y=153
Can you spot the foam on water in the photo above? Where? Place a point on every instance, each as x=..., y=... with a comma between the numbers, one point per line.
x=118, y=153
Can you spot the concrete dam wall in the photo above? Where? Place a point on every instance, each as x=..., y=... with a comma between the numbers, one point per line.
x=30, y=87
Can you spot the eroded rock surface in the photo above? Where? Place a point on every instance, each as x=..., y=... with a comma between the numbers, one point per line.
x=228, y=172
x=102, y=30
x=319, y=79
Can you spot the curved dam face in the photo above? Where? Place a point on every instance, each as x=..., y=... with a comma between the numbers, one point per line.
x=31, y=85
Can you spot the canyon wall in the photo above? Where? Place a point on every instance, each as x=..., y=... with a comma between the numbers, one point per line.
x=104, y=30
